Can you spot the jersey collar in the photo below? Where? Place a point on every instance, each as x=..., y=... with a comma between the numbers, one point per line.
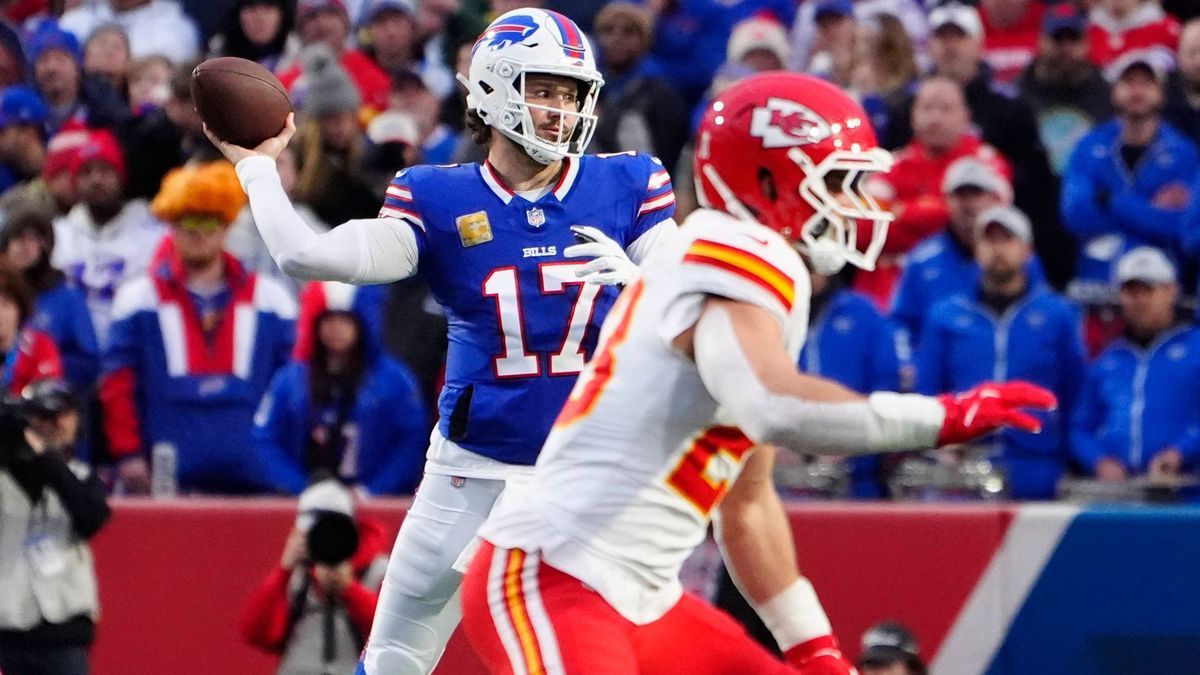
x=566, y=180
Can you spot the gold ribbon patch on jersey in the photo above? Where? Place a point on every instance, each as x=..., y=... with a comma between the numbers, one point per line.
x=474, y=228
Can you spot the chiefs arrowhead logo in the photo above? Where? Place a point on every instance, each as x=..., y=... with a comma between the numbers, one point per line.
x=783, y=123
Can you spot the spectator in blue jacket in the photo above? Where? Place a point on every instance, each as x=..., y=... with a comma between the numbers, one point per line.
x=1010, y=328
x=850, y=342
x=689, y=42
x=349, y=410
x=1128, y=181
x=944, y=265
x=195, y=342
x=1139, y=408
x=60, y=311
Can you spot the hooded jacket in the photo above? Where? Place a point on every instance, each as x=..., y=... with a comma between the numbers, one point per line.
x=165, y=380
x=385, y=428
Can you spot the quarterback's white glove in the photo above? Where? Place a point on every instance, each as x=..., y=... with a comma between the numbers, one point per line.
x=611, y=266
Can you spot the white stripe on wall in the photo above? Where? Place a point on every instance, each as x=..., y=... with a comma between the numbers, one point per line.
x=984, y=621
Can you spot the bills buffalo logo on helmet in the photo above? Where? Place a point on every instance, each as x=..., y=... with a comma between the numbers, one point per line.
x=783, y=123
x=513, y=31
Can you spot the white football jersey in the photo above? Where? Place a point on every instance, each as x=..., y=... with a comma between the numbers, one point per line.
x=625, y=486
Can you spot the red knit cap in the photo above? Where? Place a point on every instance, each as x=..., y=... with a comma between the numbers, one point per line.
x=61, y=149
x=100, y=146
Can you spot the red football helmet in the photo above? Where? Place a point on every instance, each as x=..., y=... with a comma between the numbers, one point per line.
x=792, y=152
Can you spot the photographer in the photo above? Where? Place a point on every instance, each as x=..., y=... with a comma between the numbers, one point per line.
x=315, y=608
x=50, y=505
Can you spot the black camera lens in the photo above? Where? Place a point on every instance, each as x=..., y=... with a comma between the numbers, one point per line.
x=332, y=539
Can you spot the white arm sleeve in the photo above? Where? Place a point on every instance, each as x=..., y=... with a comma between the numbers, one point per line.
x=368, y=251
x=650, y=240
x=882, y=422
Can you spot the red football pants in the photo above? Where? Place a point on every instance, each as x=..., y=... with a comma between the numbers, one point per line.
x=524, y=617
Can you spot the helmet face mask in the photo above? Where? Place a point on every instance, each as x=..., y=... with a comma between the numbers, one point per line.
x=524, y=43
x=835, y=190
x=817, y=147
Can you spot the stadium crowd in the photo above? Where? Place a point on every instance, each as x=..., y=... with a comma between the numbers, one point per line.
x=1045, y=192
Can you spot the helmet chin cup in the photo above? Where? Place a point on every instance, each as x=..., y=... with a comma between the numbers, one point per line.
x=825, y=256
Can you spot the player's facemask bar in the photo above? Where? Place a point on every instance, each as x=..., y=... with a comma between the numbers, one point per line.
x=573, y=130
x=836, y=190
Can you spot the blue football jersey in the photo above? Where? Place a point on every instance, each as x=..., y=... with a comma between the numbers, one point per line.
x=521, y=322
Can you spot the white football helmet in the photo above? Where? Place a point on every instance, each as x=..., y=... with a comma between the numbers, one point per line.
x=523, y=42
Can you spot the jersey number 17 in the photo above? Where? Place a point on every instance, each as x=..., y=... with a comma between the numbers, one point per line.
x=516, y=360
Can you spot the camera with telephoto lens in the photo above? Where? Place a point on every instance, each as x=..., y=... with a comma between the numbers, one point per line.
x=43, y=398
x=332, y=539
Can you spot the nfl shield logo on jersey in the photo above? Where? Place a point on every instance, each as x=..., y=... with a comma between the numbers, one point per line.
x=474, y=229
x=536, y=217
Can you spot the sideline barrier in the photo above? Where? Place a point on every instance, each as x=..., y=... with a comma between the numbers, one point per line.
x=997, y=589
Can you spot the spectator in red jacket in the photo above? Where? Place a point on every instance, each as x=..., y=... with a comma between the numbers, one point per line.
x=1119, y=26
x=28, y=354
x=1011, y=30
x=326, y=22
x=941, y=134
x=286, y=615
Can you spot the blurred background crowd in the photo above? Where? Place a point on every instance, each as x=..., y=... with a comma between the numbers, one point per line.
x=1046, y=193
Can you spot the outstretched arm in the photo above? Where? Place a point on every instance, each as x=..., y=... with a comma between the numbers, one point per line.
x=738, y=349
x=367, y=251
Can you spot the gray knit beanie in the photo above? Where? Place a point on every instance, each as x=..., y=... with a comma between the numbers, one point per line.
x=329, y=89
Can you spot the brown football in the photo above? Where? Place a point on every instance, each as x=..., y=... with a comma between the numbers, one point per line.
x=241, y=102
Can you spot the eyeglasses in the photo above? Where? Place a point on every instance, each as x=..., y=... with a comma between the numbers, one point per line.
x=201, y=223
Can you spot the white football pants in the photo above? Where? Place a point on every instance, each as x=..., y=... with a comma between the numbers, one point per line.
x=418, y=605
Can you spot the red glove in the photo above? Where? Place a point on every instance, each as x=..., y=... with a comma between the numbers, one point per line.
x=990, y=406
x=819, y=656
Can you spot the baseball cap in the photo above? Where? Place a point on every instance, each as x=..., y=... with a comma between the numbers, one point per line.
x=393, y=126
x=972, y=172
x=1154, y=61
x=833, y=8
x=1008, y=217
x=889, y=642
x=378, y=8
x=324, y=495
x=758, y=32
x=1064, y=16
x=623, y=9
x=20, y=104
x=965, y=17
x=48, y=397
x=1146, y=264
x=310, y=8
